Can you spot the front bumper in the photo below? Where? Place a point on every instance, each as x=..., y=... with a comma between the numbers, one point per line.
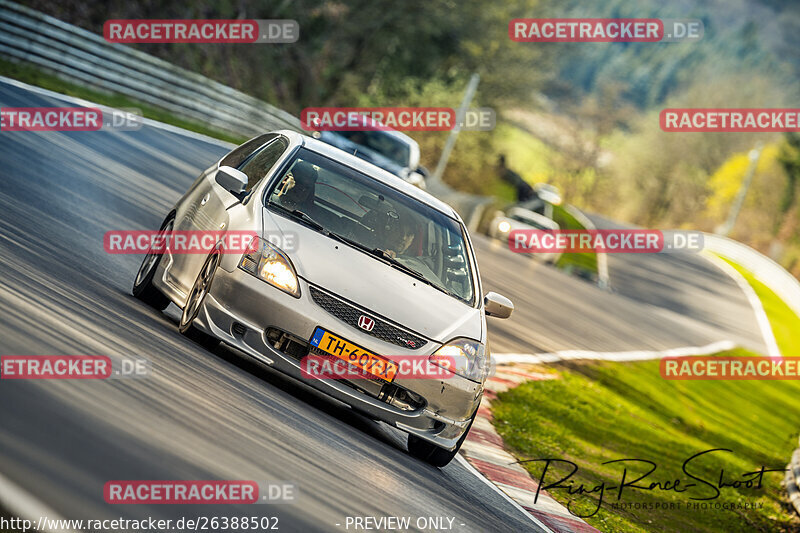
x=240, y=308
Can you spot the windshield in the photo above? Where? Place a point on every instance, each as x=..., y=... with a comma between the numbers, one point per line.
x=529, y=221
x=396, y=229
x=378, y=141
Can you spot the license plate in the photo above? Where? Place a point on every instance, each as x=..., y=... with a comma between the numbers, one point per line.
x=345, y=350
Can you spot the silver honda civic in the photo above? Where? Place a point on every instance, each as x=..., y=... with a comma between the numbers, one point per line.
x=355, y=282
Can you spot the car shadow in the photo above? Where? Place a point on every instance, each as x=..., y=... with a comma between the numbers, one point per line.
x=301, y=391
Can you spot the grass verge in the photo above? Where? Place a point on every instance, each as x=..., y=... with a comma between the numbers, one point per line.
x=784, y=322
x=583, y=265
x=605, y=411
x=599, y=412
x=34, y=76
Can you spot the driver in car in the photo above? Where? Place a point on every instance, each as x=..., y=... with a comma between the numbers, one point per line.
x=399, y=238
x=298, y=188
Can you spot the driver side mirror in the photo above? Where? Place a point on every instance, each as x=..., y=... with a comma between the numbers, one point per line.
x=231, y=179
x=497, y=305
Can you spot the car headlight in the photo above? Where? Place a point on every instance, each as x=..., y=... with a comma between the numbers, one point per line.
x=504, y=226
x=465, y=357
x=268, y=262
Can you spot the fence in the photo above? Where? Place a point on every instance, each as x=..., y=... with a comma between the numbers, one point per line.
x=87, y=59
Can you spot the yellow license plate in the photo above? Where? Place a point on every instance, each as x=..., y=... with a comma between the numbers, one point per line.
x=345, y=350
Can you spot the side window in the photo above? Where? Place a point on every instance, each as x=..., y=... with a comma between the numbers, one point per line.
x=257, y=166
x=238, y=155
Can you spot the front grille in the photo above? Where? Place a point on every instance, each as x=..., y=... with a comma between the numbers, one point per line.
x=349, y=313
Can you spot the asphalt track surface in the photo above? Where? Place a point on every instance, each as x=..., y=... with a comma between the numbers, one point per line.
x=219, y=415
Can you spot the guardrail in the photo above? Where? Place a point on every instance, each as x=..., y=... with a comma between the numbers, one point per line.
x=87, y=59
x=764, y=269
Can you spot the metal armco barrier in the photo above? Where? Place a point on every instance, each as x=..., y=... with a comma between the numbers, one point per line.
x=87, y=59
x=764, y=269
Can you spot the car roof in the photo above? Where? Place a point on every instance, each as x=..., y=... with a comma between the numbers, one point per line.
x=371, y=170
x=398, y=135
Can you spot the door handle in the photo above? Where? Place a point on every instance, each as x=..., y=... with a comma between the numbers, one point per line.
x=204, y=201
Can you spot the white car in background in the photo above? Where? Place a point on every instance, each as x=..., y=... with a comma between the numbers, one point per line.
x=549, y=193
x=518, y=218
x=390, y=150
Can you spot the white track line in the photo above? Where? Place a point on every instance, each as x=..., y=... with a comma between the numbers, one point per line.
x=460, y=458
x=637, y=355
x=23, y=505
x=86, y=103
x=755, y=303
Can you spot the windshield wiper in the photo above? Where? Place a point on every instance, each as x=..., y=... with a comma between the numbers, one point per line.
x=376, y=252
x=386, y=257
x=302, y=216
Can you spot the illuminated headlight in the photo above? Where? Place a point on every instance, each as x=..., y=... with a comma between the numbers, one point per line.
x=268, y=262
x=465, y=357
x=504, y=226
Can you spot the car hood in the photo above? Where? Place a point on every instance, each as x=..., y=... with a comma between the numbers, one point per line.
x=374, y=285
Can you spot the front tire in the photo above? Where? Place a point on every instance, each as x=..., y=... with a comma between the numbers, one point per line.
x=195, y=302
x=432, y=454
x=143, y=287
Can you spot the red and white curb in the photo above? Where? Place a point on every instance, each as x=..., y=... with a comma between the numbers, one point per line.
x=484, y=450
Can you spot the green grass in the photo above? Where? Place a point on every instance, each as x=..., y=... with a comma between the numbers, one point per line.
x=34, y=76
x=524, y=153
x=598, y=412
x=784, y=322
x=584, y=264
x=605, y=411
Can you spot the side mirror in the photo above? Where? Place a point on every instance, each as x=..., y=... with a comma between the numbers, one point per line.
x=497, y=305
x=416, y=179
x=231, y=179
